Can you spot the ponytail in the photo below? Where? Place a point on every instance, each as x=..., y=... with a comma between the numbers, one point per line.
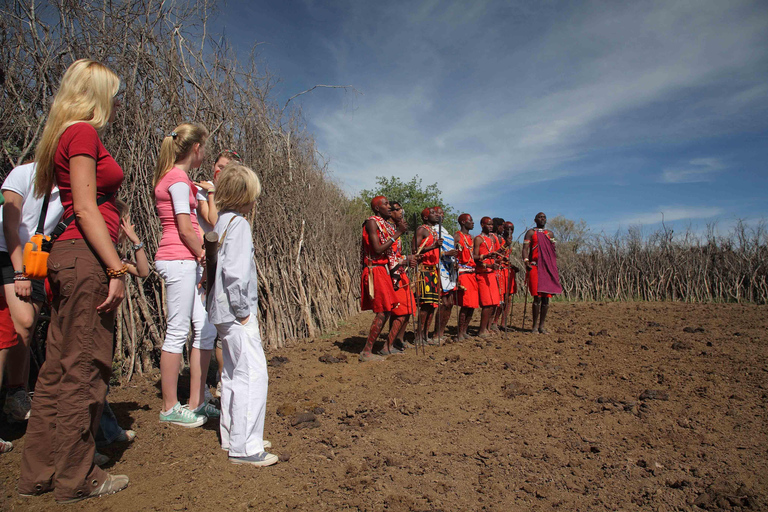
x=165, y=160
x=176, y=146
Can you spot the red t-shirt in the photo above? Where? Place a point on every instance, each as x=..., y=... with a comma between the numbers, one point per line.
x=82, y=139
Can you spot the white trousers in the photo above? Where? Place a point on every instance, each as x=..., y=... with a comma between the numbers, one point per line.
x=185, y=305
x=244, y=383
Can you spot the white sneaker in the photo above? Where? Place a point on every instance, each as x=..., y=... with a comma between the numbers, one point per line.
x=18, y=405
x=260, y=459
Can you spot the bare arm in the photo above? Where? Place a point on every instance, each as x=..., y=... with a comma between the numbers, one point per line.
x=207, y=209
x=11, y=222
x=373, y=237
x=139, y=268
x=527, y=248
x=82, y=175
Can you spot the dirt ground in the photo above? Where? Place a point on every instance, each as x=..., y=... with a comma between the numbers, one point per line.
x=624, y=406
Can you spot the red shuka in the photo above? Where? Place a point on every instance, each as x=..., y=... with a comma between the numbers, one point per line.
x=384, y=298
x=533, y=274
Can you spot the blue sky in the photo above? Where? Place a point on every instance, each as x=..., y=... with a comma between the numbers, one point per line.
x=611, y=112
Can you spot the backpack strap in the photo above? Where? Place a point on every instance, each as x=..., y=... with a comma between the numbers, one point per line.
x=43, y=214
x=224, y=234
x=61, y=226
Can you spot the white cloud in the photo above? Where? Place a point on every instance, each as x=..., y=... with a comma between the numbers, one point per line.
x=671, y=214
x=696, y=170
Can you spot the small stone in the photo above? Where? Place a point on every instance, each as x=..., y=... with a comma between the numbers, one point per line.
x=654, y=394
x=286, y=409
x=278, y=361
x=302, y=417
x=284, y=457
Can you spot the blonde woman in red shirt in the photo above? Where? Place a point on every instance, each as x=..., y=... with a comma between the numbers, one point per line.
x=87, y=279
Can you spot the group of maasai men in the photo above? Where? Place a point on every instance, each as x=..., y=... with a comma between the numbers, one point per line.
x=448, y=270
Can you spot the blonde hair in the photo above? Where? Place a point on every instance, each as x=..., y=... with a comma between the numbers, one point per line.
x=85, y=95
x=176, y=146
x=122, y=208
x=237, y=186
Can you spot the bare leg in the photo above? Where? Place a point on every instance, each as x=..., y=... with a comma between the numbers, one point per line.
x=396, y=326
x=485, y=318
x=443, y=316
x=430, y=315
x=421, y=335
x=465, y=316
x=543, y=314
x=401, y=334
x=495, y=318
x=24, y=316
x=198, y=371
x=535, y=313
x=376, y=326
x=170, y=364
x=3, y=357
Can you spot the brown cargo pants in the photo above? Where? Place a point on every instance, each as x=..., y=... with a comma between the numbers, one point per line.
x=72, y=384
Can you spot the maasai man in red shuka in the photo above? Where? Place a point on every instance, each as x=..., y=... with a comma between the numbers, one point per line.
x=377, y=292
x=540, y=261
x=448, y=278
x=487, y=283
x=398, y=264
x=510, y=285
x=499, y=244
x=428, y=287
x=468, y=298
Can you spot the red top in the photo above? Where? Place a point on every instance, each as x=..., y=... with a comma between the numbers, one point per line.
x=504, y=251
x=367, y=254
x=465, y=256
x=82, y=139
x=431, y=256
x=487, y=247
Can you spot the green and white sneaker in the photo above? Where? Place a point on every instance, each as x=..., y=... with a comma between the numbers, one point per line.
x=182, y=416
x=208, y=410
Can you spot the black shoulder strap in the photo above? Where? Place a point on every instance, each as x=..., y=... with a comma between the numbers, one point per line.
x=61, y=226
x=43, y=214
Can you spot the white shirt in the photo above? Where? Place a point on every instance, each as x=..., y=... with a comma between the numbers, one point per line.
x=202, y=197
x=22, y=181
x=235, y=290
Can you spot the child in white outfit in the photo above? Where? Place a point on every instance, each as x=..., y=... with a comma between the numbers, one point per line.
x=233, y=309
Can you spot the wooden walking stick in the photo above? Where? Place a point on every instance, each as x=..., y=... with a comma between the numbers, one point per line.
x=211, y=258
x=522, y=327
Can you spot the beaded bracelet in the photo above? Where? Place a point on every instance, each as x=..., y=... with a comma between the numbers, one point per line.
x=113, y=274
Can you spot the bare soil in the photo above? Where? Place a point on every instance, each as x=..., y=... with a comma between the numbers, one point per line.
x=624, y=406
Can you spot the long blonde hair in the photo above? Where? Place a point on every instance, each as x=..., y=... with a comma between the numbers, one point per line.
x=85, y=95
x=176, y=146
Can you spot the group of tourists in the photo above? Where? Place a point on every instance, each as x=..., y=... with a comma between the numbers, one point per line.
x=63, y=208
x=446, y=271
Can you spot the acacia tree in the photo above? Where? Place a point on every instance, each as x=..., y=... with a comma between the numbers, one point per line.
x=413, y=197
